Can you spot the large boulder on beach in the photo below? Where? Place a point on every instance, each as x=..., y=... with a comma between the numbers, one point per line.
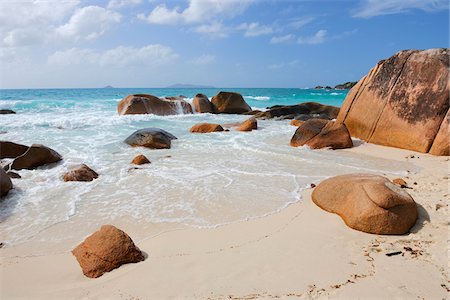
x=35, y=156
x=81, y=173
x=149, y=104
x=402, y=102
x=5, y=183
x=302, y=111
x=320, y=133
x=368, y=203
x=11, y=150
x=206, y=128
x=153, y=138
x=230, y=103
x=202, y=104
x=248, y=125
x=106, y=250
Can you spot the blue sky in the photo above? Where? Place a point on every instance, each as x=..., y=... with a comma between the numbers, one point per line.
x=223, y=43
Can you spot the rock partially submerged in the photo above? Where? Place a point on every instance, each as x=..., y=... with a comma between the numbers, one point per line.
x=302, y=111
x=403, y=102
x=106, y=250
x=248, y=125
x=7, y=112
x=35, y=156
x=319, y=133
x=206, y=128
x=140, y=160
x=81, y=173
x=11, y=150
x=5, y=183
x=202, y=104
x=153, y=138
x=149, y=104
x=230, y=103
x=367, y=203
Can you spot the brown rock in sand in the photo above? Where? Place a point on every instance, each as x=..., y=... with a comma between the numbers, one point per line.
x=5, y=183
x=140, y=160
x=230, y=103
x=82, y=173
x=206, y=128
x=320, y=133
x=367, y=203
x=248, y=125
x=202, y=104
x=106, y=250
x=400, y=182
x=403, y=102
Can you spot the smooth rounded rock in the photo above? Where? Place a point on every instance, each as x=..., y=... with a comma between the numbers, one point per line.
x=153, y=138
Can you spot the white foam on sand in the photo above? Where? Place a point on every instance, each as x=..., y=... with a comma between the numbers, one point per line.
x=205, y=180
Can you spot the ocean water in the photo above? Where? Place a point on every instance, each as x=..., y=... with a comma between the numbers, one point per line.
x=205, y=180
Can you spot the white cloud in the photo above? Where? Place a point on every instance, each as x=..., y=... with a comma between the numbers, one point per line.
x=89, y=23
x=300, y=22
x=282, y=39
x=150, y=55
x=28, y=22
x=255, y=29
x=283, y=65
x=213, y=30
x=198, y=11
x=204, y=59
x=118, y=4
x=318, y=38
x=373, y=8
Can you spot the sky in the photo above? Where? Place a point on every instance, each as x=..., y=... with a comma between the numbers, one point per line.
x=221, y=43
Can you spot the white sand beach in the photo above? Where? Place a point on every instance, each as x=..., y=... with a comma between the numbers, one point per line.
x=301, y=252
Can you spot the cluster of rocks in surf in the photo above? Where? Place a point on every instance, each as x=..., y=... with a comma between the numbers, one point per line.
x=402, y=102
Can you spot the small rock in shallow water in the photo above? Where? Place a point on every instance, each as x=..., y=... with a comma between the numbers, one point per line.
x=206, y=128
x=140, y=160
x=7, y=112
x=153, y=138
x=82, y=173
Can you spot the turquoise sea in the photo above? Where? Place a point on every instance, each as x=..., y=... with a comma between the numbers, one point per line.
x=204, y=180
x=48, y=99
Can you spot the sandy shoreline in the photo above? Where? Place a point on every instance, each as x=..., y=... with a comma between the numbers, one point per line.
x=300, y=252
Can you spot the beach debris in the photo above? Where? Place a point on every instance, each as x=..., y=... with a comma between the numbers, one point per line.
x=400, y=182
x=312, y=185
x=394, y=253
x=7, y=112
x=5, y=183
x=403, y=102
x=319, y=133
x=106, y=250
x=149, y=104
x=202, y=104
x=140, y=160
x=368, y=203
x=153, y=138
x=230, y=103
x=248, y=125
x=35, y=156
x=206, y=128
x=81, y=173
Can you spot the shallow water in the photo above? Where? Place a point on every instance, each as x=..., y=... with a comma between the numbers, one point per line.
x=205, y=180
